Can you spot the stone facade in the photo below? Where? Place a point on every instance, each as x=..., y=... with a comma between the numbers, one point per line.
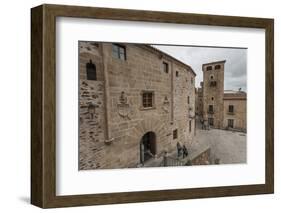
x=239, y=113
x=213, y=88
x=117, y=129
x=199, y=100
x=221, y=108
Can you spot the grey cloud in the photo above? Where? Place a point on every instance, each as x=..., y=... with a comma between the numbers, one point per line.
x=235, y=66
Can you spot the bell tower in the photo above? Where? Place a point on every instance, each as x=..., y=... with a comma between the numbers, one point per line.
x=213, y=90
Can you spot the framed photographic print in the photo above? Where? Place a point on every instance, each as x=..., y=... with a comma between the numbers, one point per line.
x=137, y=106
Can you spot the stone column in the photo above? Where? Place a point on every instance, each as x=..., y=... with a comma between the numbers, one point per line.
x=104, y=53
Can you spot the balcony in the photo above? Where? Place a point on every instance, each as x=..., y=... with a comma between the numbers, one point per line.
x=230, y=113
x=211, y=112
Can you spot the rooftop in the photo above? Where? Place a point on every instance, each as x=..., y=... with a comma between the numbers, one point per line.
x=172, y=57
x=215, y=62
x=234, y=95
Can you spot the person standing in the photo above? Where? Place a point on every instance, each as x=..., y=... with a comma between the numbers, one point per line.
x=179, y=148
x=184, y=151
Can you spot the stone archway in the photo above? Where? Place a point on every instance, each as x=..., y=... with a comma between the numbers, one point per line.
x=144, y=126
x=147, y=146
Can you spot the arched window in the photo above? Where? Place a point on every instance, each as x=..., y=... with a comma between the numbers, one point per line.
x=217, y=67
x=91, y=71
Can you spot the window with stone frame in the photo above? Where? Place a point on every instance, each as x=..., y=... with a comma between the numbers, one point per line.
x=165, y=67
x=148, y=99
x=211, y=109
x=209, y=68
x=119, y=51
x=231, y=109
x=217, y=67
x=175, y=134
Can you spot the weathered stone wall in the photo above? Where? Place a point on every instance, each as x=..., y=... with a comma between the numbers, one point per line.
x=199, y=102
x=240, y=113
x=213, y=95
x=128, y=121
x=91, y=126
x=204, y=158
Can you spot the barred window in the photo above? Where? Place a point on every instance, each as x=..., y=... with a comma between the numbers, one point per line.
x=147, y=99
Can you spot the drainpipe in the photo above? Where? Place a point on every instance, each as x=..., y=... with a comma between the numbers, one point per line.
x=108, y=138
x=172, y=93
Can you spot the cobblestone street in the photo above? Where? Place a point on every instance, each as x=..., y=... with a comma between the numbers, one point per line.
x=228, y=146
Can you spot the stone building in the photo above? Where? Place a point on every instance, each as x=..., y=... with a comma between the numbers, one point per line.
x=235, y=108
x=199, y=100
x=218, y=107
x=136, y=102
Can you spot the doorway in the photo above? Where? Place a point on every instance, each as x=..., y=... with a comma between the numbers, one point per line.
x=147, y=146
x=230, y=123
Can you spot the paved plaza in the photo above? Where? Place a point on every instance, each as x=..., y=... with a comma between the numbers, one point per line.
x=227, y=146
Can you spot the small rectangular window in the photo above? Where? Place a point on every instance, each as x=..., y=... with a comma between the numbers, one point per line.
x=209, y=68
x=175, y=134
x=166, y=67
x=188, y=99
x=119, y=52
x=177, y=73
x=147, y=99
x=190, y=123
x=231, y=108
x=217, y=67
x=211, y=109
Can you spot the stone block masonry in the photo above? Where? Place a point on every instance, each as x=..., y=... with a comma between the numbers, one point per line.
x=136, y=102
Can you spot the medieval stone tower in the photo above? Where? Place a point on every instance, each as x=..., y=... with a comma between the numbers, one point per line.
x=213, y=91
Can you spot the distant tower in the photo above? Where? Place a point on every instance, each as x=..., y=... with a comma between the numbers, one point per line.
x=213, y=90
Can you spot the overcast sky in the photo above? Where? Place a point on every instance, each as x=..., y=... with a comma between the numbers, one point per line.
x=235, y=72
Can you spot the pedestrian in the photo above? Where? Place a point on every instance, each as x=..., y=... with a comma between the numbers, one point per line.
x=205, y=124
x=184, y=151
x=179, y=149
